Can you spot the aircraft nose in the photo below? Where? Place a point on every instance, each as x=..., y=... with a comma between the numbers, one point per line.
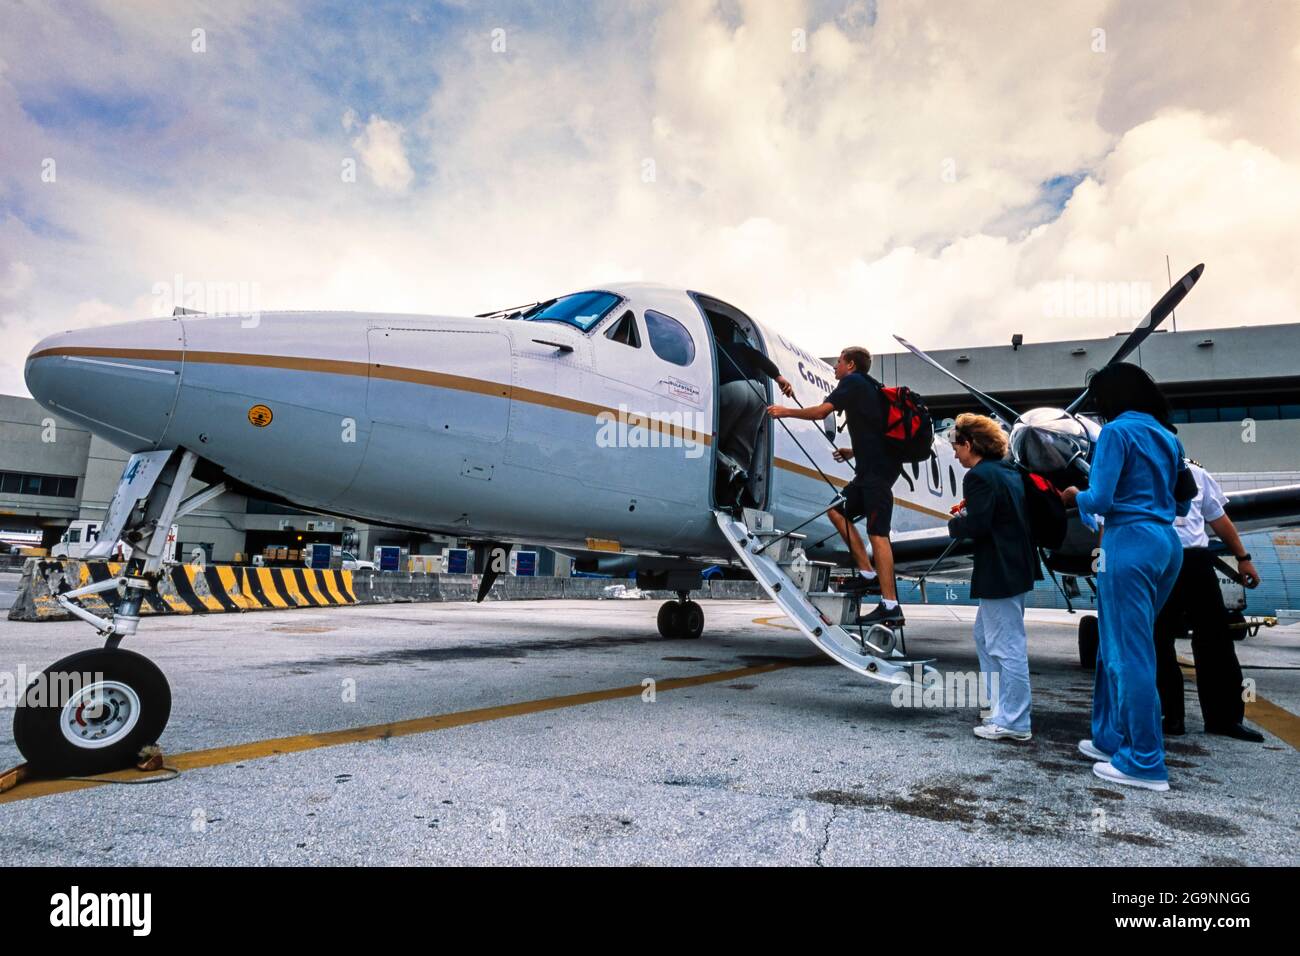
x=117, y=381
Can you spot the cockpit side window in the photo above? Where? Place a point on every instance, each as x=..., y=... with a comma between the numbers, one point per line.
x=625, y=331
x=581, y=310
x=669, y=338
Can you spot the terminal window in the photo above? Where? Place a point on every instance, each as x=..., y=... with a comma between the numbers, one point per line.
x=49, y=486
x=1184, y=414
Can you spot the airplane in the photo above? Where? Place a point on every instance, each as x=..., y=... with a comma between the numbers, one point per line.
x=586, y=423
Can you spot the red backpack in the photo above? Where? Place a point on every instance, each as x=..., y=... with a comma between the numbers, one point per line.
x=909, y=427
x=1046, y=510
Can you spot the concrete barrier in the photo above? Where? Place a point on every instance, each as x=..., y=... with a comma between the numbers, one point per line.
x=185, y=589
x=399, y=588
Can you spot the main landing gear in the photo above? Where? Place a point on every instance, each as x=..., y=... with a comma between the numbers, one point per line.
x=1088, y=641
x=93, y=711
x=681, y=618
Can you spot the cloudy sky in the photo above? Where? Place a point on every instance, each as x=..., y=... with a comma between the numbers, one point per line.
x=951, y=171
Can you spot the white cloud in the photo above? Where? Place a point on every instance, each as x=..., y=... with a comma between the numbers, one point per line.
x=807, y=188
x=380, y=145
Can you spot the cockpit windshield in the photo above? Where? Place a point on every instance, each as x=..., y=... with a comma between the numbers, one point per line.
x=581, y=310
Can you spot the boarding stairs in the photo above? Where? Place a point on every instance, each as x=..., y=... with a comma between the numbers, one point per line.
x=801, y=587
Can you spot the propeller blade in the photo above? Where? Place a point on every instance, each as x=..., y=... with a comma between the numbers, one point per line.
x=1005, y=413
x=1159, y=312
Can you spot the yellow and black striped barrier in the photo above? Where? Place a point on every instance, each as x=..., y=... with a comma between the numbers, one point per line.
x=183, y=589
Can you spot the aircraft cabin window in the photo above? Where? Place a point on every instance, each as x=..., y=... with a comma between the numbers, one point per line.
x=624, y=330
x=669, y=338
x=582, y=310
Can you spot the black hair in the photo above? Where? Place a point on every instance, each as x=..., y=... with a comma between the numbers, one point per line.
x=1124, y=387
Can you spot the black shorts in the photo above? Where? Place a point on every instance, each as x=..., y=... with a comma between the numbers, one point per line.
x=870, y=498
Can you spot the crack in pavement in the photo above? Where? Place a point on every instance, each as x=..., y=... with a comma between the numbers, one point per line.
x=826, y=836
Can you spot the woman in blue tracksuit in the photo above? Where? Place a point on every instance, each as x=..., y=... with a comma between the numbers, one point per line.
x=1132, y=486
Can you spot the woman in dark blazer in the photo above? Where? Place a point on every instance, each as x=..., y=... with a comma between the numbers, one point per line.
x=994, y=516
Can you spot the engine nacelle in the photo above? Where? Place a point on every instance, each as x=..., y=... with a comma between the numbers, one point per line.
x=1051, y=440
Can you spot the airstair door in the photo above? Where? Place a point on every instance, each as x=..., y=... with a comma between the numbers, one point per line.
x=778, y=564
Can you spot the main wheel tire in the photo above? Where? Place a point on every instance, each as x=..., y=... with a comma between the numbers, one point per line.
x=670, y=619
x=692, y=620
x=1088, y=642
x=92, y=712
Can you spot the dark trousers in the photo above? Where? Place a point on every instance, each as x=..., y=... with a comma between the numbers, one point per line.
x=1197, y=603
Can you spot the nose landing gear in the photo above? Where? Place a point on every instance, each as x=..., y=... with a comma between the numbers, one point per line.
x=93, y=711
x=681, y=618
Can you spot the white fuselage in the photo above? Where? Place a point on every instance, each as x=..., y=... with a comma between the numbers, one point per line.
x=486, y=428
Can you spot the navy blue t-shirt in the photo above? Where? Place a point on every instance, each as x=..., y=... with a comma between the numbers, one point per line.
x=858, y=397
x=739, y=360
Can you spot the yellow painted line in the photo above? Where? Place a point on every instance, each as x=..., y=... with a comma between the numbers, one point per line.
x=255, y=750
x=771, y=622
x=1277, y=720
x=345, y=584
x=230, y=581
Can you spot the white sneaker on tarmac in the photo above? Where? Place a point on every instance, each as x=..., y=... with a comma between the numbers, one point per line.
x=1092, y=751
x=1108, y=772
x=994, y=732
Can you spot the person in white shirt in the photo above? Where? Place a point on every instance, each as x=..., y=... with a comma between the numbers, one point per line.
x=1196, y=603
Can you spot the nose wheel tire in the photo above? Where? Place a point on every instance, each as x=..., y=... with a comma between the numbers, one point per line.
x=91, y=713
x=681, y=619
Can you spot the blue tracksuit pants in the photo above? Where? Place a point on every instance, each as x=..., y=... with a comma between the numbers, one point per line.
x=1139, y=565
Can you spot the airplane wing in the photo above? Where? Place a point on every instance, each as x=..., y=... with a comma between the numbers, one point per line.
x=1260, y=509
x=1265, y=509
x=931, y=550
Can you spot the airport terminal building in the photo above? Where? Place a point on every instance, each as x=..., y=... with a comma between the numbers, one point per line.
x=1235, y=392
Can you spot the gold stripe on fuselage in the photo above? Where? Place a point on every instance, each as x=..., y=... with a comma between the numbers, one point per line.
x=393, y=373
x=415, y=376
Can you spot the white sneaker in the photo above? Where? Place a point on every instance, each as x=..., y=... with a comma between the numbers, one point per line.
x=1109, y=773
x=994, y=732
x=1092, y=751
